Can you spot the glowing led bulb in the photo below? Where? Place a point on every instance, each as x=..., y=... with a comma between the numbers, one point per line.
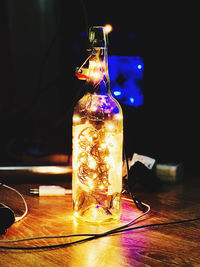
x=108, y=28
x=76, y=118
x=103, y=145
x=109, y=161
x=92, y=64
x=88, y=148
x=92, y=164
x=118, y=117
x=89, y=138
x=101, y=187
x=110, y=127
x=99, y=64
x=75, y=213
x=93, y=108
x=90, y=183
x=96, y=75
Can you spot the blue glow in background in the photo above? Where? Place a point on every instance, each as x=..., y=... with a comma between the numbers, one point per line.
x=126, y=75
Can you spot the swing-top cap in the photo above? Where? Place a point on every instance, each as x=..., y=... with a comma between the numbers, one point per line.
x=97, y=36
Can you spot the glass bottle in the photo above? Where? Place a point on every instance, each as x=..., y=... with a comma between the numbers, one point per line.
x=97, y=140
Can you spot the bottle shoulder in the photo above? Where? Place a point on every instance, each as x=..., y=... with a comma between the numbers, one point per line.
x=95, y=102
x=96, y=106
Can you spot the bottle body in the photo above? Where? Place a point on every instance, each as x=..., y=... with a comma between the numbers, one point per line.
x=97, y=158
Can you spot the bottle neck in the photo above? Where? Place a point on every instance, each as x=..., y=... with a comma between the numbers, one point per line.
x=98, y=77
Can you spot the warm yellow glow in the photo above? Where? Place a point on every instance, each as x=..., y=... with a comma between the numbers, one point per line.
x=92, y=163
x=118, y=117
x=90, y=182
x=92, y=64
x=103, y=146
x=110, y=127
x=39, y=169
x=96, y=75
x=95, y=213
x=93, y=108
x=101, y=187
x=96, y=70
x=99, y=64
x=96, y=64
x=76, y=118
x=97, y=168
x=108, y=28
x=97, y=144
x=51, y=169
x=75, y=213
x=110, y=161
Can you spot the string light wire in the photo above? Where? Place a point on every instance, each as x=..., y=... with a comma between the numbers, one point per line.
x=18, y=218
x=89, y=236
x=124, y=228
x=118, y=230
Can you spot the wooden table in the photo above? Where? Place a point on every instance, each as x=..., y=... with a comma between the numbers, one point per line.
x=173, y=245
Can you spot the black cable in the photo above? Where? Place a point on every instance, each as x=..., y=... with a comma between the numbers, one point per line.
x=95, y=236
x=50, y=246
x=158, y=224
x=123, y=228
x=137, y=202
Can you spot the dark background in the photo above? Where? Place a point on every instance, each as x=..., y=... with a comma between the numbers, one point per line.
x=41, y=43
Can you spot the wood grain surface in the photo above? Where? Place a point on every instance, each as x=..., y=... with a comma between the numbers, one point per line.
x=174, y=245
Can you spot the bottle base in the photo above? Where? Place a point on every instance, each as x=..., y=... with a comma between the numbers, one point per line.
x=96, y=214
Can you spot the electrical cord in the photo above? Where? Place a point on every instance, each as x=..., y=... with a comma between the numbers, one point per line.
x=137, y=202
x=18, y=218
x=73, y=235
x=145, y=208
x=117, y=230
x=121, y=229
x=91, y=236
